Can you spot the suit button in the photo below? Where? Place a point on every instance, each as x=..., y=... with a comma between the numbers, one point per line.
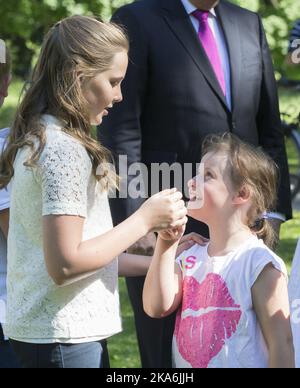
x=233, y=125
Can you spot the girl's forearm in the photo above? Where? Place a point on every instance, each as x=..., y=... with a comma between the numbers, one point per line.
x=282, y=356
x=94, y=254
x=160, y=286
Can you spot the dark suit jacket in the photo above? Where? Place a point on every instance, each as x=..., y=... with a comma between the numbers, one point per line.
x=172, y=98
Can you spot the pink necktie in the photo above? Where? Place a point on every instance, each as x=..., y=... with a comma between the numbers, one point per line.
x=209, y=44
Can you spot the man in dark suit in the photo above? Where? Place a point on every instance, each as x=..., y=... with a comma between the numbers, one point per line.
x=191, y=73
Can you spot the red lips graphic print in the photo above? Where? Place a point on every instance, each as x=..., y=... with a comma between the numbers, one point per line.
x=208, y=317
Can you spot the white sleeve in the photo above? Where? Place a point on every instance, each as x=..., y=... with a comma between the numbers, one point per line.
x=4, y=198
x=65, y=170
x=260, y=259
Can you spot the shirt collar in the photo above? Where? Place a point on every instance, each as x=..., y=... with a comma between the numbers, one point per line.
x=190, y=8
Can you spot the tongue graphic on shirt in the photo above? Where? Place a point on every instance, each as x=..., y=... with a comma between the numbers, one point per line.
x=208, y=317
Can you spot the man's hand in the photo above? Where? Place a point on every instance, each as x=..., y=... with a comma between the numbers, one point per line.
x=189, y=240
x=173, y=234
x=145, y=246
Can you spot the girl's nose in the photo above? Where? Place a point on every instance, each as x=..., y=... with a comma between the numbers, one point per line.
x=118, y=96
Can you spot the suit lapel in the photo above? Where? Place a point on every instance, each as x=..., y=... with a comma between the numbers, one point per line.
x=229, y=24
x=180, y=24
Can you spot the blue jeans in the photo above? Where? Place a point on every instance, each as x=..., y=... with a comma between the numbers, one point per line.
x=62, y=356
x=8, y=358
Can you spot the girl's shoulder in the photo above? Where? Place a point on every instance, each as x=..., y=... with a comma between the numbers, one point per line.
x=257, y=248
x=55, y=133
x=196, y=250
x=60, y=143
x=256, y=256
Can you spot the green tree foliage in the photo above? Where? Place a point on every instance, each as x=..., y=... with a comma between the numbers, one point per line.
x=24, y=22
x=278, y=17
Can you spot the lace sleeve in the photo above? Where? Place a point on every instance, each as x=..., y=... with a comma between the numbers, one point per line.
x=65, y=170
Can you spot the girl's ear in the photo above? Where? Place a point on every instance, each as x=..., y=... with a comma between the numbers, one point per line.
x=242, y=196
x=80, y=77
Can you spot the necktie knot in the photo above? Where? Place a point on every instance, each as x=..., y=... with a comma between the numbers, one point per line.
x=202, y=16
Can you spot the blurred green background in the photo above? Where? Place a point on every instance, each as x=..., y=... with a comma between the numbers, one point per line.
x=24, y=30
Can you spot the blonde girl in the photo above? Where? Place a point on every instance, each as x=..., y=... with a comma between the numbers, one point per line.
x=62, y=268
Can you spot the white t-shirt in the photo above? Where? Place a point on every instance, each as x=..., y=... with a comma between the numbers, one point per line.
x=216, y=326
x=4, y=204
x=38, y=311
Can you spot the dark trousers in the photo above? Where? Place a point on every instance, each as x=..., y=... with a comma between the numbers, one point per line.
x=155, y=335
x=62, y=356
x=8, y=358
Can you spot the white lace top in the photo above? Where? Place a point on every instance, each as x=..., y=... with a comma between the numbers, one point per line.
x=38, y=310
